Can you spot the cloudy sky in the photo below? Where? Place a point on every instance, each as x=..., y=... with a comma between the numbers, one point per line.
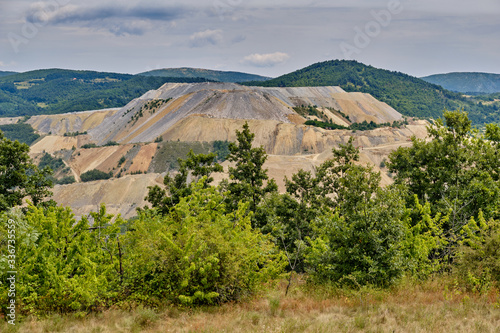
x=418, y=37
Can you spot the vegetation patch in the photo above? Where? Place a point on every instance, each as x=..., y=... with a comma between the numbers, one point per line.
x=408, y=95
x=21, y=132
x=95, y=175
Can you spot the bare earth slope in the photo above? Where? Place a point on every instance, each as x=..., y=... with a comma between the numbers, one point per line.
x=230, y=101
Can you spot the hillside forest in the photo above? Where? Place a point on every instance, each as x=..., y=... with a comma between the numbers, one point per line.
x=198, y=243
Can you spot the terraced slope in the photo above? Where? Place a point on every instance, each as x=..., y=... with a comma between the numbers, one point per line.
x=138, y=123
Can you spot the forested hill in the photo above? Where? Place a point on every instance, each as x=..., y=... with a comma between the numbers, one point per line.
x=407, y=94
x=52, y=91
x=222, y=76
x=4, y=73
x=477, y=83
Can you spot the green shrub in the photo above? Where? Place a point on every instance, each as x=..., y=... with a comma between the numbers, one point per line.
x=478, y=261
x=198, y=253
x=65, y=180
x=363, y=247
x=52, y=162
x=60, y=261
x=21, y=132
x=95, y=175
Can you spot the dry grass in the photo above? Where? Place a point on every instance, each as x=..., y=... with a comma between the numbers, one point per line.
x=435, y=306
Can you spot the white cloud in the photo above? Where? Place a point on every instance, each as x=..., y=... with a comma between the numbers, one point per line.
x=265, y=60
x=207, y=37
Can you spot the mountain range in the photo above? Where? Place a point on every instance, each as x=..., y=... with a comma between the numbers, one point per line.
x=56, y=91
x=472, y=83
x=409, y=95
x=4, y=73
x=221, y=76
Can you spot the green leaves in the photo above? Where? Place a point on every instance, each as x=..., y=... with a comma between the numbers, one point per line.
x=248, y=175
x=19, y=177
x=199, y=253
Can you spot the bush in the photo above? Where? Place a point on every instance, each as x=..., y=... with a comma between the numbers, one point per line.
x=52, y=162
x=61, y=264
x=21, y=132
x=66, y=180
x=361, y=248
x=201, y=254
x=95, y=175
x=478, y=261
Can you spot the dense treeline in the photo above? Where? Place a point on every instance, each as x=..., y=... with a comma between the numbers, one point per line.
x=407, y=94
x=54, y=91
x=21, y=132
x=203, y=244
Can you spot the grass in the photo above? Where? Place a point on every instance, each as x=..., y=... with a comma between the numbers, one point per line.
x=433, y=306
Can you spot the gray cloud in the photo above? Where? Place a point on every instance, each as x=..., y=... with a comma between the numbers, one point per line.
x=117, y=20
x=265, y=60
x=205, y=38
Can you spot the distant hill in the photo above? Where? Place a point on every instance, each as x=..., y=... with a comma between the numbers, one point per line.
x=4, y=73
x=409, y=95
x=221, y=76
x=53, y=91
x=483, y=83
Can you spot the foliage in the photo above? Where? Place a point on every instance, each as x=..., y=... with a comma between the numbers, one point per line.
x=19, y=177
x=63, y=266
x=456, y=172
x=324, y=125
x=193, y=168
x=21, y=132
x=484, y=83
x=77, y=133
x=198, y=253
x=221, y=148
x=248, y=175
x=409, y=95
x=110, y=143
x=211, y=75
x=66, y=180
x=95, y=174
x=478, y=259
x=53, y=163
x=363, y=246
x=88, y=146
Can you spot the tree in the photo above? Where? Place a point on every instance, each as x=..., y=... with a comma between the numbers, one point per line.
x=193, y=168
x=456, y=171
x=248, y=175
x=19, y=177
x=362, y=246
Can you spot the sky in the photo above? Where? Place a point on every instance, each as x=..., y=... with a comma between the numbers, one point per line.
x=270, y=38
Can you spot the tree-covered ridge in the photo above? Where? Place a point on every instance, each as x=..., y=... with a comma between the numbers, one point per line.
x=6, y=73
x=21, y=132
x=54, y=91
x=409, y=95
x=465, y=82
x=221, y=76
